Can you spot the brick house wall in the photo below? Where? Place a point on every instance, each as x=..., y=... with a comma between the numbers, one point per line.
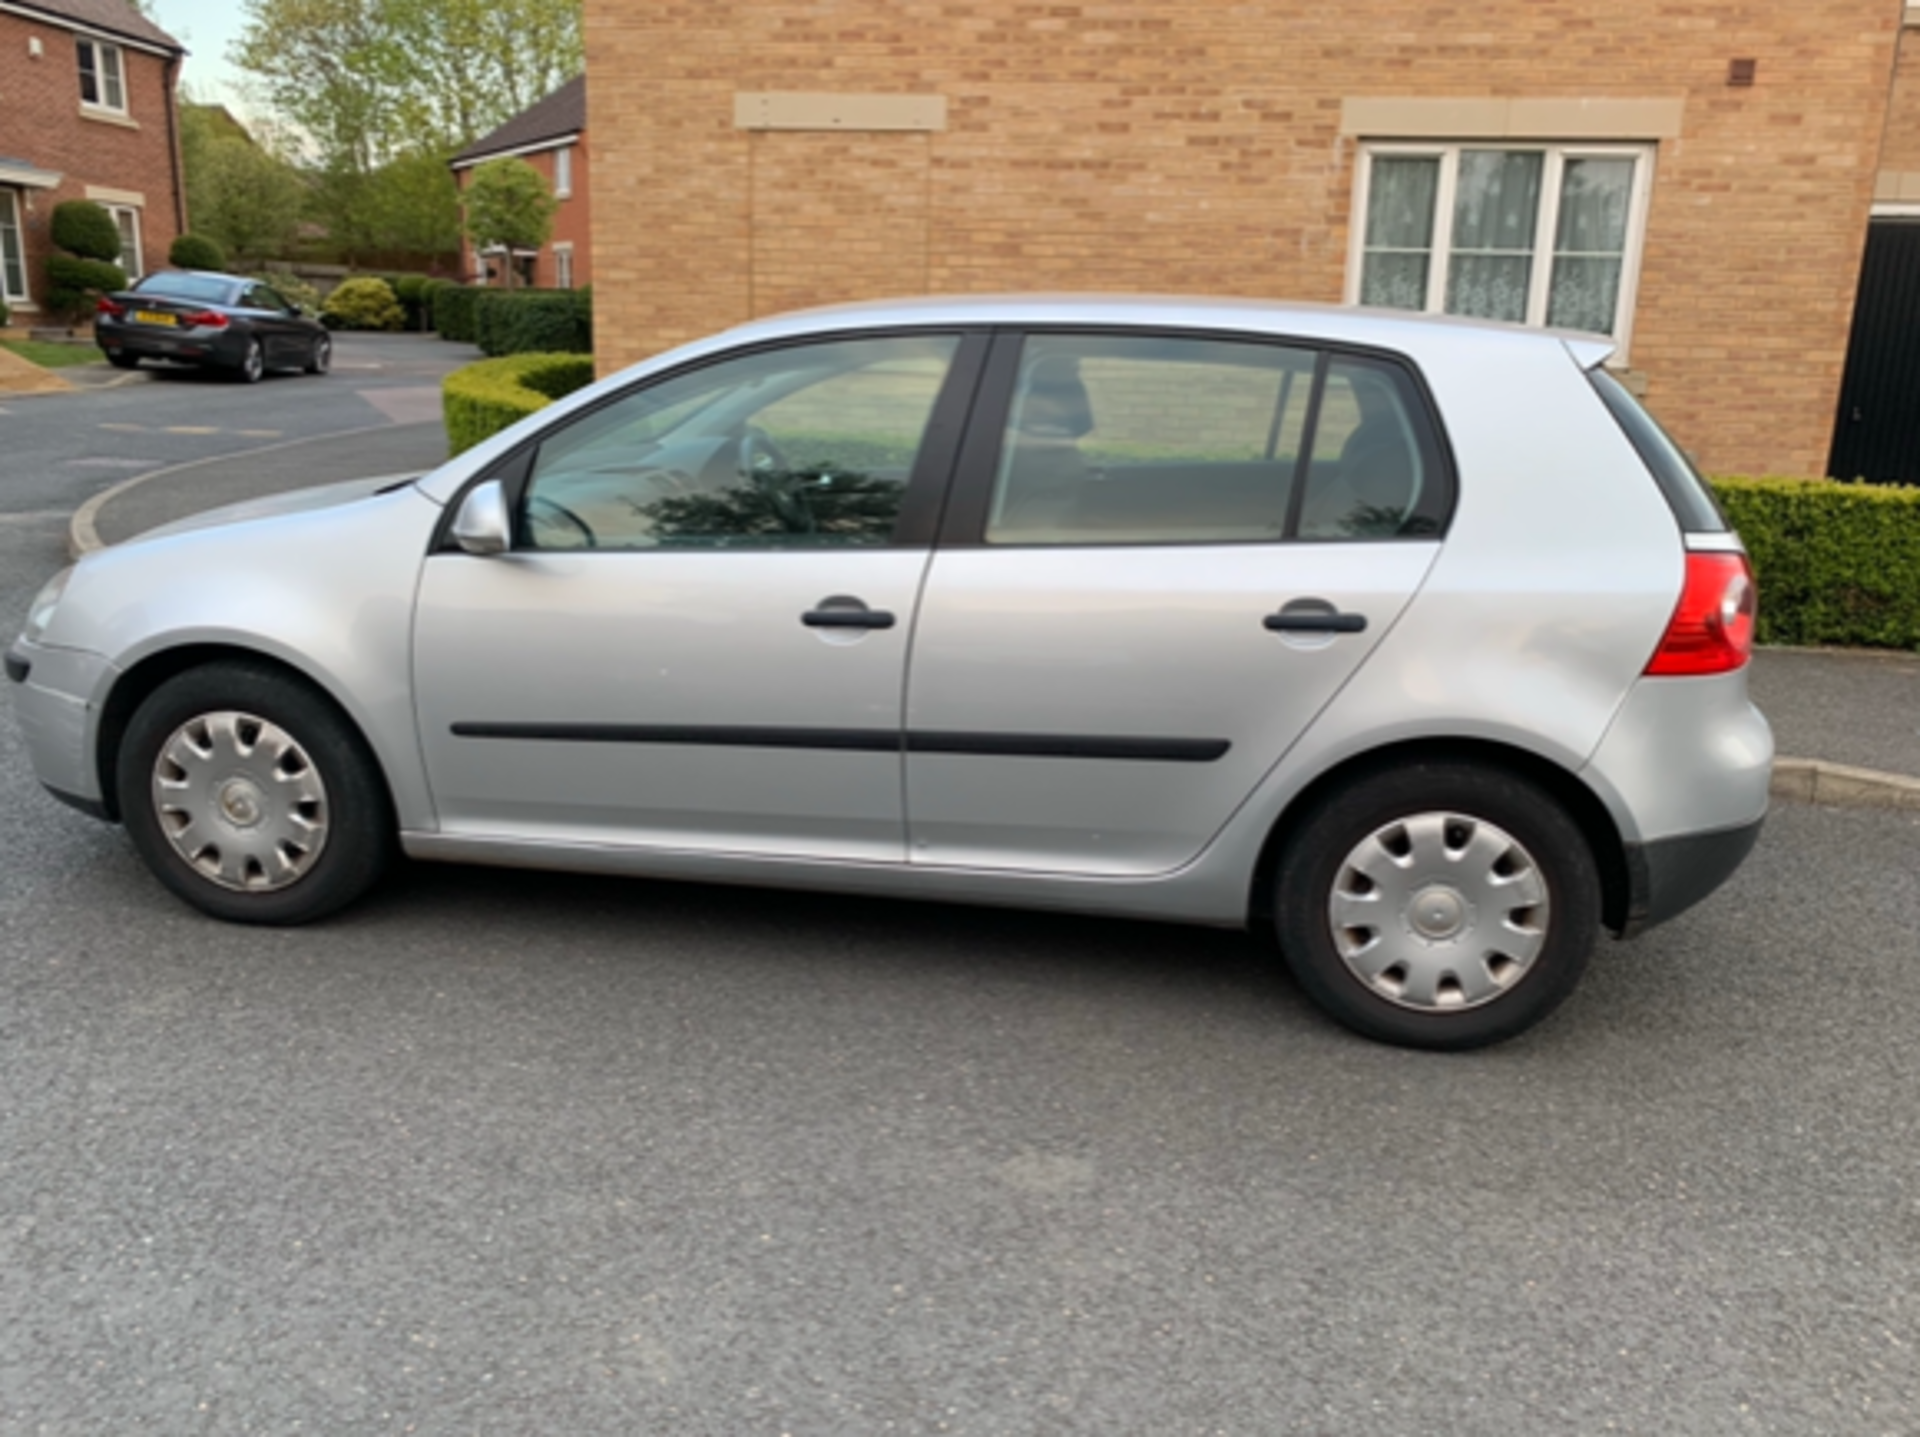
x=128, y=160
x=1900, y=155
x=1214, y=146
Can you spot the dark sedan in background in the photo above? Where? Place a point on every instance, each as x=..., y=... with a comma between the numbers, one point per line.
x=225, y=321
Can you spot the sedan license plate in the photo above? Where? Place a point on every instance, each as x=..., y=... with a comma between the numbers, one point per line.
x=154, y=316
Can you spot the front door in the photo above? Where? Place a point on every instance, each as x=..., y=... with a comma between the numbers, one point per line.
x=699, y=640
x=1158, y=569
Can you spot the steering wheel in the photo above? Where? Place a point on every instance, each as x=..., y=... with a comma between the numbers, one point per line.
x=545, y=513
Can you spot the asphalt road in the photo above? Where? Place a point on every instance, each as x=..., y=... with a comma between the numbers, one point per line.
x=502, y=1153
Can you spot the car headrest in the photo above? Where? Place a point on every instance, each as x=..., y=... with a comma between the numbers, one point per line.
x=1055, y=405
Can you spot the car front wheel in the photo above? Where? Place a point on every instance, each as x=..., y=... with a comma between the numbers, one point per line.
x=320, y=357
x=251, y=796
x=1438, y=905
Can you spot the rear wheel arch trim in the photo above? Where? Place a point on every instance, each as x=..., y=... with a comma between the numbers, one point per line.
x=1611, y=853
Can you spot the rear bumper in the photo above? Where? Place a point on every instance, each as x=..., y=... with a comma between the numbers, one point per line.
x=188, y=346
x=1669, y=875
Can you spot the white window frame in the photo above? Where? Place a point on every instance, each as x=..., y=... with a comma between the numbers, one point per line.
x=109, y=72
x=1540, y=280
x=10, y=219
x=563, y=266
x=563, y=172
x=132, y=214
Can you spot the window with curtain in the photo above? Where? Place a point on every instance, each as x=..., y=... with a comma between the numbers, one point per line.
x=13, y=269
x=1533, y=234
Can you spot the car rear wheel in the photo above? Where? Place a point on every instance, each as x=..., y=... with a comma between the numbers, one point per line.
x=320, y=357
x=253, y=364
x=1438, y=905
x=250, y=795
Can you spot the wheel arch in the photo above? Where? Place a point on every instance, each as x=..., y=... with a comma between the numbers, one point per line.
x=1581, y=803
x=134, y=686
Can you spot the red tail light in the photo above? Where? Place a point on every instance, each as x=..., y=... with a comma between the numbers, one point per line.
x=110, y=307
x=206, y=319
x=1712, y=627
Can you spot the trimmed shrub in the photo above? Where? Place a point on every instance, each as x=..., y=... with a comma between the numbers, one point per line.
x=196, y=252
x=363, y=303
x=80, y=227
x=453, y=312
x=482, y=399
x=73, y=284
x=1836, y=563
x=293, y=289
x=411, y=291
x=533, y=321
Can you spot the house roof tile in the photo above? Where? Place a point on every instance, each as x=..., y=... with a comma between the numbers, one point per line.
x=560, y=114
x=114, y=17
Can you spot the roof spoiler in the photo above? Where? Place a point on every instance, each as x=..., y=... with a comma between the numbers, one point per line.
x=1589, y=350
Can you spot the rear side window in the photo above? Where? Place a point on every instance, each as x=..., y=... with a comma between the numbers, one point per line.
x=1687, y=493
x=1179, y=439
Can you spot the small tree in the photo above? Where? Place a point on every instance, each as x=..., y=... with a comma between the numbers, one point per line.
x=509, y=205
x=80, y=227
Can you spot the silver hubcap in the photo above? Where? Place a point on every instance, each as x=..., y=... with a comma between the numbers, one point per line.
x=1439, y=912
x=240, y=801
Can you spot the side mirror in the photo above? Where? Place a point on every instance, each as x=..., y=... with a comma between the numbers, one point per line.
x=483, y=526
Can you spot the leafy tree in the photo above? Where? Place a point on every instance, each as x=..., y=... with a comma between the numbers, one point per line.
x=240, y=194
x=508, y=204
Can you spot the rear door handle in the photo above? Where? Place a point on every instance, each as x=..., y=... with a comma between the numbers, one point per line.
x=844, y=612
x=1320, y=618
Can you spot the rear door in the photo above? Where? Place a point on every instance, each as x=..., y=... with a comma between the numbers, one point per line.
x=1164, y=554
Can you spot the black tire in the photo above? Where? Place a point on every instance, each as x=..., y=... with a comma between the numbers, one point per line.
x=357, y=838
x=1534, y=963
x=253, y=363
x=124, y=361
x=320, y=357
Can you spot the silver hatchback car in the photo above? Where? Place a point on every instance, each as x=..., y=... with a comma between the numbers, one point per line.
x=1415, y=639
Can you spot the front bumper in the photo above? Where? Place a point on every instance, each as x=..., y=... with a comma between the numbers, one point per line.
x=57, y=699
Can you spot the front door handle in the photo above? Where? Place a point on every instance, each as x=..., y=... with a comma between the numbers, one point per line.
x=844, y=612
x=1314, y=616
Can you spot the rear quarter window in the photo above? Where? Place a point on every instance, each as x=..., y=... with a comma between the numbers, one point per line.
x=1692, y=502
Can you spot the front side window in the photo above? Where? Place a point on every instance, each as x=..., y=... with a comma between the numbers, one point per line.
x=810, y=446
x=13, y=269
x=102, y=80
x=1122, y=439
x=1542, y=235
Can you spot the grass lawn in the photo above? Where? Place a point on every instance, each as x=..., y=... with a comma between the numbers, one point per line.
x=53, y=356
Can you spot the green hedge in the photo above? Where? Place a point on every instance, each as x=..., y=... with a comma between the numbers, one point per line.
x=1836, y=563
x=533, y=321
x=482, y=399
x=453, y=306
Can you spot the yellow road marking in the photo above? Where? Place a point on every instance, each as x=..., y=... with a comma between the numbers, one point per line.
x=126, y=428
x=189, y=429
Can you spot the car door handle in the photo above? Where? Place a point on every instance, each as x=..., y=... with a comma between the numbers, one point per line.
x=1327, y=620
x=841, y=612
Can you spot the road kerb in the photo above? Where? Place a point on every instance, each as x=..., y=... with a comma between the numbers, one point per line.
x=1839, y=785
x=83, y=533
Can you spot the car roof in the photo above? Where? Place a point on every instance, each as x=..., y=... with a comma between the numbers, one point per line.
x=1391, y=329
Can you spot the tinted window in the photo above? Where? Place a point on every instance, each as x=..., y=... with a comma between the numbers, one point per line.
x=1687, y=493
x=809, y=446
x=1373, y=462
x=1124, y=439
x=1169, y=440
x=204, y=288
